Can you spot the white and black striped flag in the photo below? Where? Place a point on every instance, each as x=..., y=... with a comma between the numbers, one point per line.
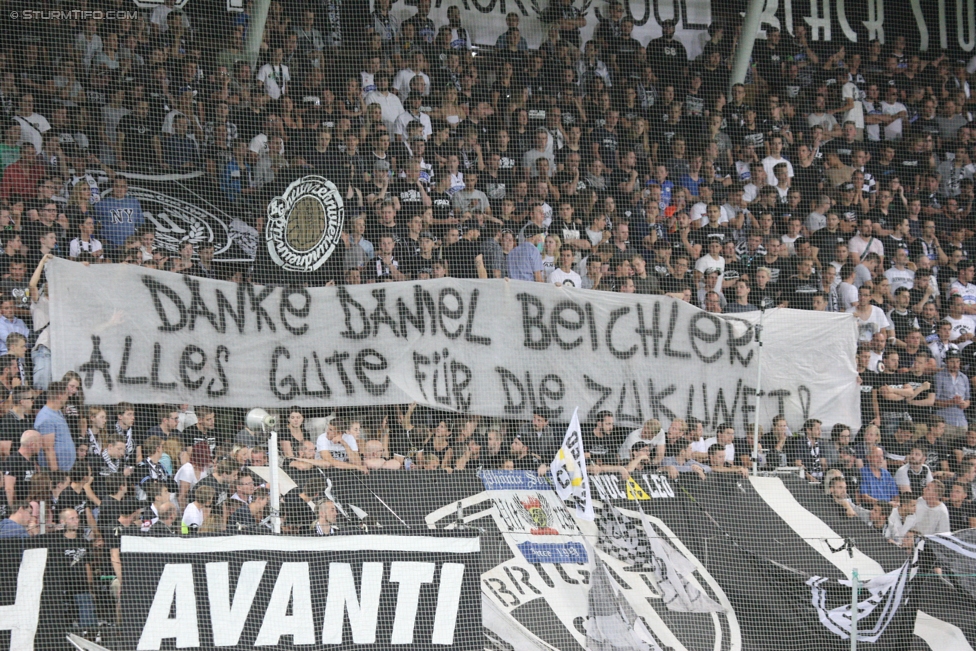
x=569, y=470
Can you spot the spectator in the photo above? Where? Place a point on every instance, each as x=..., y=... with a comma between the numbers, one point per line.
x=57, y=447
x=563, y=275
x=19, y=523
x=118, y=215
x=198, y=510
x=340, y=450
x=680, y=461
x=931, y=515
x=901, y=522
x=9, y=323
x=251, y=515
x=165, y=524
x=20, y=467
x=915, y=475
x=525, y=260
x=325, y=524
x=837, y=491
x=877, y=484
x=805, y=451
x=962, y=515
x=952, y=395
x=193, y=471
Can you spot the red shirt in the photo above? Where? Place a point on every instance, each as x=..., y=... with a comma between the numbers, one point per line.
x=21, y=179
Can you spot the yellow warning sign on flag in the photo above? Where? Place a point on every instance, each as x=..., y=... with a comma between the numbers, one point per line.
x=634, y=491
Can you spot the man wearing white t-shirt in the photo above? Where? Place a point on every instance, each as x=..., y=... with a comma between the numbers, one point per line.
x=724, y=436
x=390, y=104
x=274, y=76
x=963, y=325
x=402, y=82
x=563, y=275
x=653, y=435
x=899, y=275
x=32, y=125
x=852, y=97
x=864, y=242
x=711, y=260
x=964, y=287
x=892, y=108
x=699, y=211
x=775, y=157
x=340, y=450
x=931, y=515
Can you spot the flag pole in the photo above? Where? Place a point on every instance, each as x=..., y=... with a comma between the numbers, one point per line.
x=759, y=391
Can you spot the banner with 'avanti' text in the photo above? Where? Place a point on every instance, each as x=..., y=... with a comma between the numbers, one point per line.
x=488, y=347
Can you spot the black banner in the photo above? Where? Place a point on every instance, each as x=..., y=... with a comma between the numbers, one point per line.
x=344, y=591
x=726, y=563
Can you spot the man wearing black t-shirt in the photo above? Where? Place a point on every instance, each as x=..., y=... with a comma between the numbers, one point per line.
x=802, y=286
x=410, y=191
x=75, y=496
x=135, y=135
x=71, y=555
x=808, y=174
x=901, y=316
x=781, y=268
x=827, y=238
x=15, y=422
x=937, y=456
x=461, y=256
x=110, y=462
x=522, y=458
x=169, y=417
x=204, y=431
x=711, y=230
x=845, y=145
x=667, y=56
x=601, y=442
x=115, y=519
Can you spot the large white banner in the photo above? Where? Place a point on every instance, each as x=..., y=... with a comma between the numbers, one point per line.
x=481, y=346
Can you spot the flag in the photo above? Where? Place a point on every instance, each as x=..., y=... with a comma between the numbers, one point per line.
x=675, y=576
x=613, y=624
x=569, y=470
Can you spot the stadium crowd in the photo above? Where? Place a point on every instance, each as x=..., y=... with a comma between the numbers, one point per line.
x=836, y=179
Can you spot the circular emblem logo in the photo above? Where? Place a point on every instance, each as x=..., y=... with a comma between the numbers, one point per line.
x=304, y=224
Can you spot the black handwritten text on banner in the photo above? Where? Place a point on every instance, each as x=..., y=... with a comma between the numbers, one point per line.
x=487, y=347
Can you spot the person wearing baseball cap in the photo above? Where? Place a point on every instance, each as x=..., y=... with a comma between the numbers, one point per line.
x=952, y=395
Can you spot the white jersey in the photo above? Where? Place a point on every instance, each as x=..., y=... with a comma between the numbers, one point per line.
x=567, y=278
x=967, y=291
x=337, y=450
x=964, y=325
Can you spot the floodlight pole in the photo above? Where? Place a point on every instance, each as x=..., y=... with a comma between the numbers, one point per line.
x=274, y=496
x=743, y=50
x=759, y=391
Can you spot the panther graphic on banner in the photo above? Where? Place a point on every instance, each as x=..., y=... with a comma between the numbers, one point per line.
x=304, y=224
